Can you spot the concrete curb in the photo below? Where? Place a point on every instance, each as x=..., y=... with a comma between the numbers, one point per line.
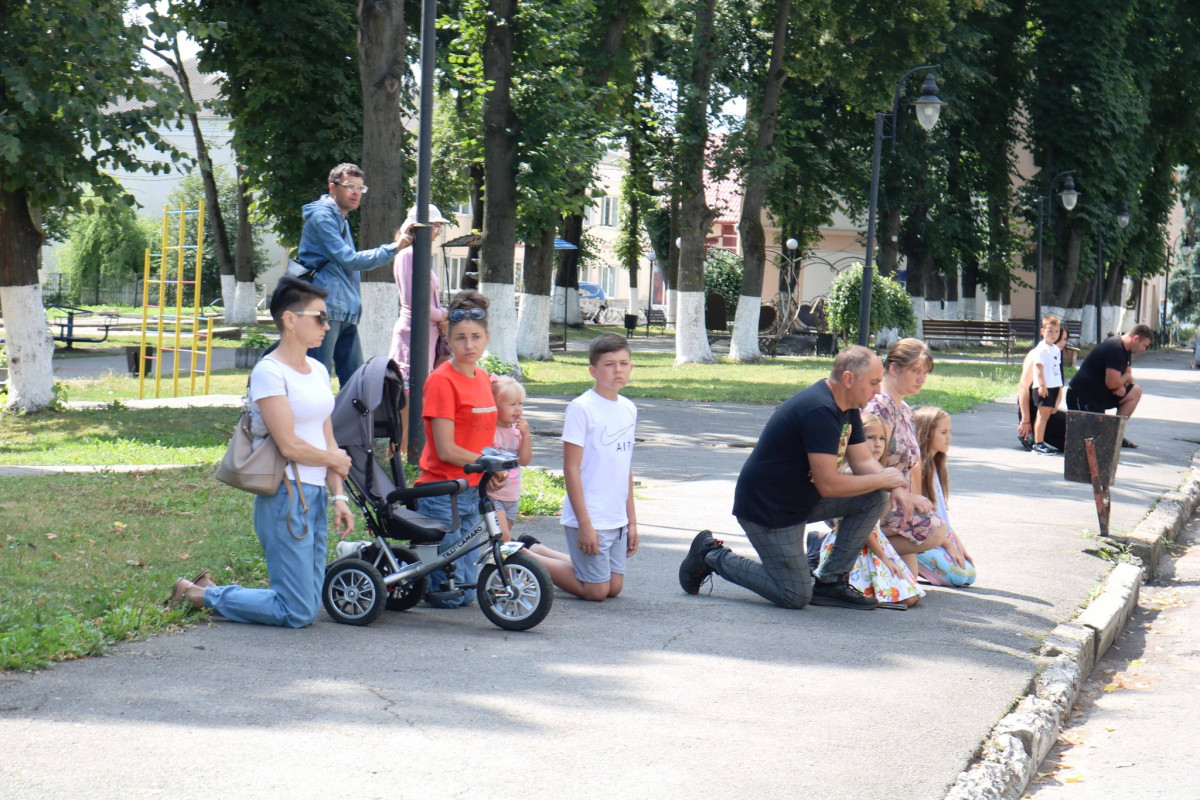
x=1009, y=759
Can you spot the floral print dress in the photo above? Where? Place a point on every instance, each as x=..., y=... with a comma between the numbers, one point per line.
x=871, y=576
x=903, y=453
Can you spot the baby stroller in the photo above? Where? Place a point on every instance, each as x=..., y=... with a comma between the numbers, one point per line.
x=369, y=576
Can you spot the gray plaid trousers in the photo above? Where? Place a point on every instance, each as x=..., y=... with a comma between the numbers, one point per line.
x=782, y=576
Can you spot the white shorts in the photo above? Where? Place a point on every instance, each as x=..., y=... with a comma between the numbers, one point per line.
x=609, y=559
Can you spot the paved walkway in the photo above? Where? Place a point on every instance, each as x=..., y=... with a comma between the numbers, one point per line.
x=655, y=694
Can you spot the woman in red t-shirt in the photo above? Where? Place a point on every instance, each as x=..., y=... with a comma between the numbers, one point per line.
x=460, y=421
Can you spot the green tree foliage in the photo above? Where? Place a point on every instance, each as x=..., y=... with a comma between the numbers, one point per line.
x=891, y=307
x=188, y=194
x=723, y=276
x=292, y=89
x=105, y=243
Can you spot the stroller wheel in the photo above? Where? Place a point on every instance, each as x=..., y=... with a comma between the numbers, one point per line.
x=406, y=595
x=354, y=593
x=526, y=602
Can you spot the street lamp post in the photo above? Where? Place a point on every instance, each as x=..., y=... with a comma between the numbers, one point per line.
x=928, y=106
x=1069, y=198
x=1184, y=240
x=1122, y=222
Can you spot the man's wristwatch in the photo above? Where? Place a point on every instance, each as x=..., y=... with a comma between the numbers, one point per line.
x=341, y=497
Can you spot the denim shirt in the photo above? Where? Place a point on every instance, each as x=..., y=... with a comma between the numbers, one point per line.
x=327, y=241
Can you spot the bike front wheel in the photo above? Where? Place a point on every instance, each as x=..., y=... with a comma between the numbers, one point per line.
x=527, y=599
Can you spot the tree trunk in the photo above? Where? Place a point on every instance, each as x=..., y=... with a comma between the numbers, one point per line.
x=743, y=346
x=477, y=209
x=242, y=310
x=1061, y=297
x=381, y=43
x=501, y=130
x=695, y=217
x=889, y=246
x=28, y=343
x=533, y=323
x=566, y=277
x=216, y=219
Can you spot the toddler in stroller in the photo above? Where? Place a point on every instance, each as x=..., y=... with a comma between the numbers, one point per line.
x=514, y=589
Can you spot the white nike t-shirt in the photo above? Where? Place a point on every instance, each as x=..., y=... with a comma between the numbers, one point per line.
x=604, y=429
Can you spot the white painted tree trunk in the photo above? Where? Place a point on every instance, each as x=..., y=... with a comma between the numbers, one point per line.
x=533, y=327
x=241, y=309
x=952, y=309
x=380, y=310
x=1087, y=325
x=673, y=305
x=574, y=314
x=502, y=320
x=743, y=345
x=228, y=289
x=992, y=310
x=30, y=349
x=691, y=340
x=920, y=311
x=634, y=301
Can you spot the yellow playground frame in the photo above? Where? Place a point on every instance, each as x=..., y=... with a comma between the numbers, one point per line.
x=154, y=314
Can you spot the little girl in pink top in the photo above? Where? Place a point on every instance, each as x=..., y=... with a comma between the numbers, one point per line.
x=512, y=434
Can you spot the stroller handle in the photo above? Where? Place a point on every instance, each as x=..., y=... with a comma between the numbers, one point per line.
x=431, y=489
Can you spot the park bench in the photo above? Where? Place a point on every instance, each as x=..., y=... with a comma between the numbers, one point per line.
x=656, y=316
x=1026, y=329
x=988, y=332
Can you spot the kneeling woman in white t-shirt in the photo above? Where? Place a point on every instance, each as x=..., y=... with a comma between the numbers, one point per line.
x=291, y=398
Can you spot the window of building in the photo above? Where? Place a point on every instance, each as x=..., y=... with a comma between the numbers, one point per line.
x=729, y=236
x=609, y=211
x=456, y=266
x=463, y=208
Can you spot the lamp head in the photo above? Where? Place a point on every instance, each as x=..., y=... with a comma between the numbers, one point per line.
x=1123, y=216
x=928, y=105
x=792, y=244
x=1068, y=194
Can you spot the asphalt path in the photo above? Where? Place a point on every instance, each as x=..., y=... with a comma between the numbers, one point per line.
x=653, y=694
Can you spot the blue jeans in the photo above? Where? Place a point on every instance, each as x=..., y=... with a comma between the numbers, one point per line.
x=465, y=571
x=340, y=348
x=296, y=567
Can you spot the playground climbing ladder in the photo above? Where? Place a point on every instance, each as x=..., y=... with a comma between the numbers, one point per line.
x=173, y=293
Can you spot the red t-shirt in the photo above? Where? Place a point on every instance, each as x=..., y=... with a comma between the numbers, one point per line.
x=468, y=401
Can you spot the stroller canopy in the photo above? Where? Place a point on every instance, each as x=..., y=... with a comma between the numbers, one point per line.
x=375, y=388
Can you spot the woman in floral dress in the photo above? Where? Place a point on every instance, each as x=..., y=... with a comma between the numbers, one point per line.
x=907, y=364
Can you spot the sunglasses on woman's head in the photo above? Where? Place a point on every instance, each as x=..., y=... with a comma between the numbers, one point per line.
x=322, y=316
x=475, y=313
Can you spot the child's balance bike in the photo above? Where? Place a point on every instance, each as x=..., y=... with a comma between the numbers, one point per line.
x=369, y=576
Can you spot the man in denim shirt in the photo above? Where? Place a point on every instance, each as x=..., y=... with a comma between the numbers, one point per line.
x=327, y=246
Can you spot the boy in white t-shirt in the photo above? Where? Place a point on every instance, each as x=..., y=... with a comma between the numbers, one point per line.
x=1048, y=380
x=598, y=516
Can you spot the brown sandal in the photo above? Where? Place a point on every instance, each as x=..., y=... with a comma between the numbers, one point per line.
x=178, y=594
x=204, y=579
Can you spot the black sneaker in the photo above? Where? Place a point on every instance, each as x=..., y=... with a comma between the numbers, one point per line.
x=529, y=540
x=1043, y=449
x=841, y=594
x=694, y=571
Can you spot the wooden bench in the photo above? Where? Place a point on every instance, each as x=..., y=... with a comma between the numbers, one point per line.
x=990, y=332
x=656, y=316
x=1026, y=329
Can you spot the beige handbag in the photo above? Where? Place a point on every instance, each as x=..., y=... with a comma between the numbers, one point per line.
x=249, y=468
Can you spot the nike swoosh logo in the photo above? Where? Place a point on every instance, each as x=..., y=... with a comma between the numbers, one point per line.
x=609, y=438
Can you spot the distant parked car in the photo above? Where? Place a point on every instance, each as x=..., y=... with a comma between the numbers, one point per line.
x=591, y=291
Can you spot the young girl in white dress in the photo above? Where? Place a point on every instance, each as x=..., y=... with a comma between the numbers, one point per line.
x=879, y=571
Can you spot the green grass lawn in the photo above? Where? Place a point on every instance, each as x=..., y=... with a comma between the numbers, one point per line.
x=87, y=559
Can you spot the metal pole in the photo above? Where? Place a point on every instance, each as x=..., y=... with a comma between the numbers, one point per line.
x=418, y=366
x=864, y=307
x=1099, y=278
x=1037, y=280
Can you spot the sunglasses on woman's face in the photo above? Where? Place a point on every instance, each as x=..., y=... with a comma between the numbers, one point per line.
x=475, y=313
x=322, y=316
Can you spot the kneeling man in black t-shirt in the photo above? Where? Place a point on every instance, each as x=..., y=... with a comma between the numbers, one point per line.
x=1105, y=379
x=792, y=477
